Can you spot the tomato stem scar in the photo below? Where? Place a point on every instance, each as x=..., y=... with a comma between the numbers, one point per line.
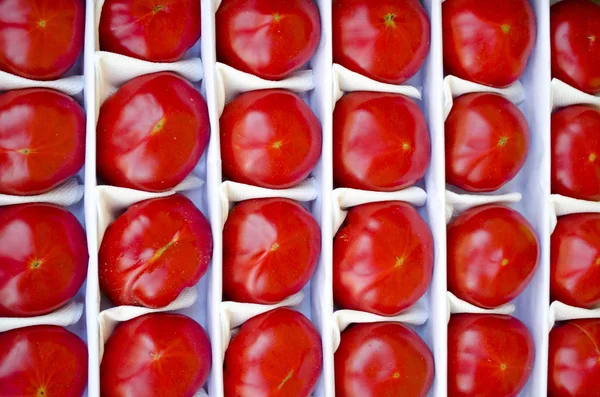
x=277, y=17
x=24, y=151
x=592, y=38
x=503, y=367
x=592, y=157
x=42, y=23
x=505, y=27
x=41, y=392
x=399, y=262
x=274, y=247
x=288, y=377
x=35, y=264
x=396, y=375
x=157, y=9
x=158, y=126
x=504, y=262
x=405, y=146
x=502, y=141
x=389, y=20
x=277, y=144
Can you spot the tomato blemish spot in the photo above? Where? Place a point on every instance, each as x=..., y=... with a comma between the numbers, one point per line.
x=505, y=28
x=274, y=247
x=158, y=126
x=389, y=20
x=42, y=23
x=157, y=9
x=504, y=262
x=502, y=141
x=592, y=157
x=503, y=367
x=288, y=377
x=396, y=375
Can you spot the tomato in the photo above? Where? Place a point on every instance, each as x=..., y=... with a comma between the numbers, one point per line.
x=382, y=258
x=487, y=139
x=268, y=38
x=42, y=140
x=155, y=250
x=574, y=359
x=575, y=43
x=158, y=354
x=152, y=30
x=492, y=255
x=41, y=39
x=488, y=42
x=574, y=260
x=43, y=360
x=380, y=142
x=274, y=353
x=269, y=138
x=43, y=259
x=382, y=359
x=489, y=355
x=385, y=40
x=151, y=132
x=575, y=148
x=270, y=250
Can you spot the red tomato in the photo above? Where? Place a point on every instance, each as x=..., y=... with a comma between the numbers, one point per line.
x=574, y=359
x=158, y=354
x=152, y=132
x=155, y=250
x=575, y=146
x=488, y=42
x=380, y=142
x=382, y=359
x=42, y=140
x=270, y=250
x=488, y=355
x=275, y=353
x=492, y=255
x=574, y=260
x=382, y=258
x=41, y=39
x=487, y=139
x=44, y=360
x=43, y=259
x=153, y=30
x=575, y=43
x=269, y=138
x=268, y=38
x=386, y=40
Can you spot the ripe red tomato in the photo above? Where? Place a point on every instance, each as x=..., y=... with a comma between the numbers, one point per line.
x=151, y=132
x=386, y=40
x=575, y=149
x=492, y=255
x=575, y=260
x=153, y=30
x=487, y=139
x=488, y=355
x=270, y=250
x=158, y=354
x=575, y=43
x=488, y=42
x=382, y=258
x=269, y=138
x=155, y=250
x=382, y=359
x=268, y=38
x=43, y=259
x=42, y=140
x=380, y=142
x=275, y=353
x=574, y=359
x=41, y=39
x=44, y=360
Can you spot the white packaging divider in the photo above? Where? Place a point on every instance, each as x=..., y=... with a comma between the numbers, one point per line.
x=533, y=182
x=69, y=194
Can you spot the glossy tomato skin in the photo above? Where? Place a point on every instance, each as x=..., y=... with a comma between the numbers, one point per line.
x=380, y=142
x=151, y=132
x=270, y=250
x=157, y=354
x=41, y=39
x=382, y=258
x=489, y=355
x=492, y=255
x=488, y=42
x=575, y=150
x=275, y=353
x=155, y=250
x=269, y=138
x=268, y=38
x=575, y=43
x=487, y=140
x=574, y=260
x=43, y=360
x=382, y=359
x=152, y=30
x=43, y=259
x=573, y=359
x=385, y=40
x=42, y=140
